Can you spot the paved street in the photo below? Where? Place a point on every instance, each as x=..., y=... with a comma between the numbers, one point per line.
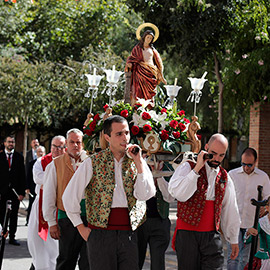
x=18, y=257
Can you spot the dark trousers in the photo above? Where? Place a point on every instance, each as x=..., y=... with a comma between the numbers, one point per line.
x=112, y=250
x=156, y=232
x=71, y=247
x=199, y=250
x=13, y=218
x=31, y=200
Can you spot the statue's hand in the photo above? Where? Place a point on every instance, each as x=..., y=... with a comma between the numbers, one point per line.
x=128, y=67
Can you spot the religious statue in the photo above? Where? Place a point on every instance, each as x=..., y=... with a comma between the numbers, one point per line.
x=145, y=65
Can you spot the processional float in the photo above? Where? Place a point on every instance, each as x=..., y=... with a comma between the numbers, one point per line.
x=163, y=132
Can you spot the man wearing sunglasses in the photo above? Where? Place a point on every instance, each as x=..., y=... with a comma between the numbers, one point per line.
x=246, y=179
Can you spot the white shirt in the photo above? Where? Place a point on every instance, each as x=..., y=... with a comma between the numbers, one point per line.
x=144, y=188
x=38, y=175
x=163, y=187
x=246, y=189
x=183, y=184
x=8, y=155
x=50, y=187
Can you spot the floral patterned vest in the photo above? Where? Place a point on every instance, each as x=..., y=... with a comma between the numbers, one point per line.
x=99, y=191
x=191, y=211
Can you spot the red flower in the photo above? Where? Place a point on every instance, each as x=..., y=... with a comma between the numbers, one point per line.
x=199, y=137
x=96, y=117
x=105, y=107
x=164, y=135
x=181, y=126
x=176, y=134
x=147, y=128
x=135, y=130
x=124, y=113
x=163, y=110
x=137, y=105
x=146, y=116
x=186, y=120
x=182, y=112
x=88, y=132
x=173, y=124
x=92, y=125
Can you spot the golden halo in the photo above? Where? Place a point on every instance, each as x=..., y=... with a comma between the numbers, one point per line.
x=151, y=25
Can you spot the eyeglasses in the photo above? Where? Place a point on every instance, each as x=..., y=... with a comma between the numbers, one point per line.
x=58, y=147
x=245, y=164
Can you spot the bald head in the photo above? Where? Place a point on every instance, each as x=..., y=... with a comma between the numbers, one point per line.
x=218, y=138
x=217, y=145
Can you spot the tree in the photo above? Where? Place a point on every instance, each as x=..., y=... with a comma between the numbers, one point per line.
x=200, y=34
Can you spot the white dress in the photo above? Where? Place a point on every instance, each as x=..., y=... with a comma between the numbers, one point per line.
x=44, y=253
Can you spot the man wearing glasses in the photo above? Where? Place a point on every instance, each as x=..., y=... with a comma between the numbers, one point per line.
x=246, y=179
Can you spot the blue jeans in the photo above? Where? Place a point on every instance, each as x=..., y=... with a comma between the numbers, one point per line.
x=243, y=256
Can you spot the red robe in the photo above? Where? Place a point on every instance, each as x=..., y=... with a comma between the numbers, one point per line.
x=145, y=77
x=42, y=224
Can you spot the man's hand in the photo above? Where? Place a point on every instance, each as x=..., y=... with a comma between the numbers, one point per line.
x=235, y=251
x=200, y=161
x=84, y=231
x=55, y=232
x=20, y=197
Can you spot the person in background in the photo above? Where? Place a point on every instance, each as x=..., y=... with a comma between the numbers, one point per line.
x=12, y=186
x=72, y=247
x=30, y=184
x=43, y=249
x=246, y=180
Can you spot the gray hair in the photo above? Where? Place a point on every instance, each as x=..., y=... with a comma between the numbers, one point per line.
x=74, y=130
x=59, y=137
x=42, y=148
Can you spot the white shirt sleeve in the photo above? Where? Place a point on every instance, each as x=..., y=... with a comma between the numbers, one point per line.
x=49, y=195
x=38, y=173
x=230, y=218
x=163, y=187
x=74, y=191
x=183, y=182
x=144, y=187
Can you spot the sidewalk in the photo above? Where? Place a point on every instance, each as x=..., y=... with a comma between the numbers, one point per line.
x=18, y=257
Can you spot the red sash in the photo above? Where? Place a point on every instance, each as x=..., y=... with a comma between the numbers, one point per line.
x=207, y=223
x=43, y=227
x=118, y=220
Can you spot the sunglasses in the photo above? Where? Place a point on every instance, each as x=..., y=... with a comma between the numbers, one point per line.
x=245, y=164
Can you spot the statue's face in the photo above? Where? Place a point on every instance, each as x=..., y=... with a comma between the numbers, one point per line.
x=148, y=39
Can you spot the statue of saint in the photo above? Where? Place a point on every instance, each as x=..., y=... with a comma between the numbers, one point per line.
x=146, y=66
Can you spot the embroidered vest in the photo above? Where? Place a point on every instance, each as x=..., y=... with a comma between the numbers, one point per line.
x=64, y=172
x=191, y=211
x=99, y=191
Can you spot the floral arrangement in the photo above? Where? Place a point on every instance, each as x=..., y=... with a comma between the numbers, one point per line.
x=169, y=125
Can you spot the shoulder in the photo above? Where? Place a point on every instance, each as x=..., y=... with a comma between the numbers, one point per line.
x=18, y=155
x=261, y=172
x=235, y=171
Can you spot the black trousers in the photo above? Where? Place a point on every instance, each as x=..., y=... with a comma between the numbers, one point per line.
x=112, y=250
x=71, y=247
x=156, y=232
x=13, y=218
x=199, y=250
x=31, y=200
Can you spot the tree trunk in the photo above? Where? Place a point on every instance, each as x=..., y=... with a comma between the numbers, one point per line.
x=25, y=135
x=220, y=96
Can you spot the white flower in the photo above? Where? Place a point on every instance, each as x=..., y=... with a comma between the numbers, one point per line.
x=143, y=102
x=159, y=118
x=138, y=121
